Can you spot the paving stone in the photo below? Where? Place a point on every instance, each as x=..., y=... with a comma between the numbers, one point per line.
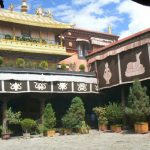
x=95, y=140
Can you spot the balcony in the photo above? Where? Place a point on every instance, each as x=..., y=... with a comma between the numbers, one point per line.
x=30, y=45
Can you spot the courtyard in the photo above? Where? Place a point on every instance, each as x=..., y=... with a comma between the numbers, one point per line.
x=95, y=140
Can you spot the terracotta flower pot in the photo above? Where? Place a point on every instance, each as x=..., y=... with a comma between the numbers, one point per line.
x=83, y=131
x=103, y=127
x=118, y=128
x=141, y=127
x=51, y=133
x=5, y=136
x=67, y=131
x=113, y=128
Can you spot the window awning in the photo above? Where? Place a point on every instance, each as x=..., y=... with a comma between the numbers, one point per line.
x=99, y=41
x=82, y=40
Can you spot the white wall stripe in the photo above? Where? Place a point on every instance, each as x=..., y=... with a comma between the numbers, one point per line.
x=3, y=90
x=46, y=78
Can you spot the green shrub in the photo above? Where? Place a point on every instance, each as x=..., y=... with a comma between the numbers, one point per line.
x=28, y=124
x=84, y=129
x=49, y=117
x=75, y=115
x=114, y=113
x=43, y=65
x=1, y=60
x=20, y=63
x=41, y=128
x=101, y=115
x=11, y=118
x=139, y=103
x=7, y=36
x=63, y=66
x=82, y=67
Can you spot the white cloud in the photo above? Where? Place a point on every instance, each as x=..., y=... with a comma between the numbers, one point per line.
x=90, y=16
x=139, y=17
x=97, y=2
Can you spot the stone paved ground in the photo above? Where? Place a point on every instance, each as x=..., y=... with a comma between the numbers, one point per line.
x=93, y=141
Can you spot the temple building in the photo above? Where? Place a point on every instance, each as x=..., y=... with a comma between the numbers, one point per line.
x=81, y=42
x=32, y=46
x=33, y=49
x=120, y=63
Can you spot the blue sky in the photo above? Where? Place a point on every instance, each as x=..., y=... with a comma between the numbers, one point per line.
x=125, y=17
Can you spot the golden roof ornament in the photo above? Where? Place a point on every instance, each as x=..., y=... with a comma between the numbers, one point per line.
x=11, y=7
x=109, y=29
x=48, y=13
x=40, y=11
x=24, y=7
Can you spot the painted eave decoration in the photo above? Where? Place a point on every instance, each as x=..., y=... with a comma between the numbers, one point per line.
x=123, y=63
x=32, y=20
x=116, y=47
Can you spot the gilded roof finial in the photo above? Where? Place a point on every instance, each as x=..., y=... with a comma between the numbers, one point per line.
x=39, y=11
x=11, y=7
x=24, y=7
x=109, y=29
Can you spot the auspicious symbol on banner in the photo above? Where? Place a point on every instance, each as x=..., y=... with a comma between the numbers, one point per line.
x=15, y=86
x=62, y=86
x=82, y=87
x=40, y=86
x=96, y=87
x=107, y=74
x=135, y=68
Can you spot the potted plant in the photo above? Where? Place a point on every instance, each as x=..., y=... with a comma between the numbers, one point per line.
x=75, y=115
x=11, y=118
x=82, y=67
x=43, y=65
x=138, y=108
x=41, y=129
x=20, y=62
x=115, y=113
x=84, y=128
x=101, y=117
x=28, y=125
x=63, y=66
x=49, y=120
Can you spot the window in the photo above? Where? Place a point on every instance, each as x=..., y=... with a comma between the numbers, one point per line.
x=82, y=49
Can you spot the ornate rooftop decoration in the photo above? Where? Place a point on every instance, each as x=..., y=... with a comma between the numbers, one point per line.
x=11, y=7
x=45, y=13
x=45, y=20
x=39, y=11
